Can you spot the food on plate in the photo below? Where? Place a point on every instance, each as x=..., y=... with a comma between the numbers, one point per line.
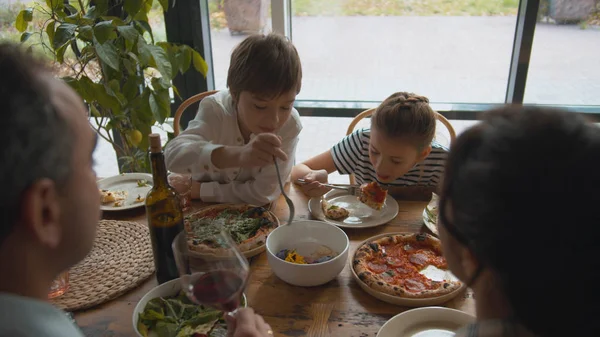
x=248, y=226
x=177, y=316
x=321, y=254
x=139, y=199
x=402, y=264
x=372, y=195
x=432, y=209
x=112, y=196
x=142, y=183
x=333, y=212
x=118, y=203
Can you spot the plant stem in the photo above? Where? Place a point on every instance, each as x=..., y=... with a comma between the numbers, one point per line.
x=82, y=7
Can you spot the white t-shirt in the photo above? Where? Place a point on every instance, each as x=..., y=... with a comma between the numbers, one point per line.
x=216, y=125
x=27, y=317
x=351, y=155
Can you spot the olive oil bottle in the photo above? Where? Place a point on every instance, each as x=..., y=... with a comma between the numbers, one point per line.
x=165, y=217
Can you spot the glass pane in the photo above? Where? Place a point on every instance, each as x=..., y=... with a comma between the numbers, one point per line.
x=565, y=62
x=450, y=51
x=230, y=23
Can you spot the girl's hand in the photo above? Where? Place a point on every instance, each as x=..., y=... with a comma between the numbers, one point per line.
x=313, y=187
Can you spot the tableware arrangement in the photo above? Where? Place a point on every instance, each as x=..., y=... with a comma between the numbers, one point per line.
x=133, y=186
x=360, y=215
x=426, y=322
x=306, y=238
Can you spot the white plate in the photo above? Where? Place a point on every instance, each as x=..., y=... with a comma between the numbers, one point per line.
x=425, y=322
x=361, y=215
x=170, y=288
x=126, y=182
x=397, y=300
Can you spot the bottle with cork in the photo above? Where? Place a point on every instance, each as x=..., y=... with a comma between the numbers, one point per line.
x=165, y=217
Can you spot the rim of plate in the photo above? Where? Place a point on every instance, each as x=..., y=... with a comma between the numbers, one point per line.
x=397, y=300
x=433, y=313
x=122, y=177
x=321, y=216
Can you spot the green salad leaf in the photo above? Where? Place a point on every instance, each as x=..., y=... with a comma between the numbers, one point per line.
x=176, y=316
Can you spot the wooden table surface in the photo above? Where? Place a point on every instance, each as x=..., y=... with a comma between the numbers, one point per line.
x=338, y=308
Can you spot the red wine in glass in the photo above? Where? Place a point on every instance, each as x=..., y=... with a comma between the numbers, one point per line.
x=219, y=289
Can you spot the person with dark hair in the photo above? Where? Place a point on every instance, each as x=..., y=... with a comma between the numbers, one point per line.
x=398, y=149
x=230, y=146
x=518, y=218
x=49, y=205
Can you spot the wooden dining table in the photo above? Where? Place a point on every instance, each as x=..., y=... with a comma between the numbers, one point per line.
x=338, y=308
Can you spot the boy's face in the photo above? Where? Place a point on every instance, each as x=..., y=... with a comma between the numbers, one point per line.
x=259, y=114
x=393, y=157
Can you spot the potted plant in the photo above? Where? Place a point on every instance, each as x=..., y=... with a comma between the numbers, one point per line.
x=115, y=65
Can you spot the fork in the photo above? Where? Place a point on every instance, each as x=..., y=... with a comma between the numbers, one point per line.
x=350, y=189
x=287, y=199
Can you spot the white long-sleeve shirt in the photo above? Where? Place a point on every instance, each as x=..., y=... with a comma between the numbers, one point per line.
x=215, y=126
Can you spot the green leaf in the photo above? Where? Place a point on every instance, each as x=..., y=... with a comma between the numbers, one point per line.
x=94, y=111
x=132, y=7
x=105, y=31
x=161, y=61
x=159, y=83
x=176, y=91
x=131, y=88
x=64, y=34
x=23, y=18
x=86, y=33
x=92, y=13
x=54, y=5
x=107, y=53
x=25, y=36
x=60, y=53
x=101, y=7
x=143, y=51
x=50, y=31
x=146, y=27
x=128, y=32
x=160, y=104
x=70, y=9
x=199, y=63
x=184, y=59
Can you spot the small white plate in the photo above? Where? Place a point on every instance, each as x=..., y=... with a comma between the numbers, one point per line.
x=426, y=322
x=126, y=182
x=361, y=215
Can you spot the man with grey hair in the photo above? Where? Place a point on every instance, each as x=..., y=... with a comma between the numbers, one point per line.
x=49, y=205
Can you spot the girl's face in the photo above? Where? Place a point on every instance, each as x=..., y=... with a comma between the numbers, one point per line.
x=258, y=114
x=393, y=157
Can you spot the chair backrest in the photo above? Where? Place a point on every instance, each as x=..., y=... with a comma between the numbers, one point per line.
x=369, y=112
x=185, y=105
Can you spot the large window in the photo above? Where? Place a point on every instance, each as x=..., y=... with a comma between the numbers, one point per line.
x=565, y=57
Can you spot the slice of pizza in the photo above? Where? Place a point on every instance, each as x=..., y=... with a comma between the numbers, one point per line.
x=333, y=212
x=107, y=196
x=372, y=195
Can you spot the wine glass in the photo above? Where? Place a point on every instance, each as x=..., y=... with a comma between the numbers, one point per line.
x=216, y=279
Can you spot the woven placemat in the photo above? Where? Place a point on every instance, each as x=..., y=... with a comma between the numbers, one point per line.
x=120, y=260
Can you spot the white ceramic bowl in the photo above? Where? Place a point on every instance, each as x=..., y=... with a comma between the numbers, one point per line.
x=170, y=288
x=306, y=234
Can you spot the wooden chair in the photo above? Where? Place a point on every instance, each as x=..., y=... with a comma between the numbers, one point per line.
x=369, y=112
x=185, y=105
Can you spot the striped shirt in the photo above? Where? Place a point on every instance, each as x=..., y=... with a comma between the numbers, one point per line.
x=351, y=156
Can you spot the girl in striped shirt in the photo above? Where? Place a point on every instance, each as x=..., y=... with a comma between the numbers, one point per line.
x=398, y=149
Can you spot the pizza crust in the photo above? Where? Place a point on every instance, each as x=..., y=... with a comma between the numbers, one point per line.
x=333, y=212
x=381, y=281
x=258, y=240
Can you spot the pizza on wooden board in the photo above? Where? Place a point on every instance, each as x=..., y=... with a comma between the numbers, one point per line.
x=372, y=195
x=248, y=226
x=392, y=264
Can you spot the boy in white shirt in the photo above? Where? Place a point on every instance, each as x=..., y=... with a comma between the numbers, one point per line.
x=230, y=146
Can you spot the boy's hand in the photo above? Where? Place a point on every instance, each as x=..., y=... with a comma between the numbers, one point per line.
x=313, y=187
x=261, y=150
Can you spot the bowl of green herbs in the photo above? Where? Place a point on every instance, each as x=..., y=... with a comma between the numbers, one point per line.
x=165, y=311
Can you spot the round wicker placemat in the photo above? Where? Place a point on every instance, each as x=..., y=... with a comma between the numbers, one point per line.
x=120, y=260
